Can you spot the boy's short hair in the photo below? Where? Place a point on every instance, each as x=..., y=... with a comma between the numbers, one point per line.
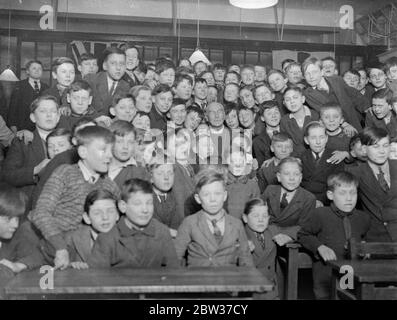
x=58, y=61
x=141, y=114
x=199, y=80
x=137, y=89
x=280, y=137
x=247, y=66
x=141, y=67
x=230, y=106
x=354, y=140
x=329, y=58
x=234, y=85
x=249, y=87
x=196, y=109
x=12, y=201
x=80, y=85
x=270, y=104
x=81, y=121
x=98, y=194
x=163, y=65
x=376, y=65
x=206, y=177
x=312, y=125
x=161, y=88
x=59, y=132
x=86, y=57
x=112, y=50
x=180, y=77
x=121, y=128
x=133, y=186
x=286, y=61
x=36, y=102
x=311, y=61
x=246, y=109
x=352, y=71
x=159, y=160
x=293, y=87
x=391, y=62
x=183, y=70
x=30, y=62
x=330, y=106
x=120, y=96
x=249, y=205
x=235, y=73
x=214, y=86
x=262, y=85
x=371, y=135
x=290, y=160
x=219, y=66
x=86, y=135
x=177, y=102
x=128, y=45
x=291, y=65
x=337, y=179
x=385, y=93
x=275, y=71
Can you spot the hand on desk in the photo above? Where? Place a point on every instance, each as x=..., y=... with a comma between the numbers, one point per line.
x=251, y=246
x=61, y=260
x=16, y=267
x=327, y=254
x=282, y=239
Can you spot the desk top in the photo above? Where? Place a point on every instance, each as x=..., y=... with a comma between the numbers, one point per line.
x=370, y=270
x=120, y=280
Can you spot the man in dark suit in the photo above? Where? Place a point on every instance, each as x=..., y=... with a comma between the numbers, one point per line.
x=109, y=82
x=24, y=93
x=322, y=90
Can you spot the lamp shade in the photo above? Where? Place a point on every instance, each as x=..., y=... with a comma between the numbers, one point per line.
x=198, y=55
x=253, y=4
x=8, y=75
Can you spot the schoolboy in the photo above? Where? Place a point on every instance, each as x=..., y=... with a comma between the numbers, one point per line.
x=285, y=63
x=239, y=186
x=329, y=67
x=138, y=240
x=24, y=162
x=316, y=167
x=231, y=116
x=58, y=141
x=141, y=121
x=165, y=71
x=219, y=71
x=88, y=64
x=162, y=100
x=357, y=152
x=246, y=95
x=143, y=98
x=377, y=76
x=278, y=83
x=182, y=87
x=213, y=94
x=352, y=78
x=262, y=93
x=281, y=147
x=123, y=166
x=234, y=68
x=176, y=114
x=232, y=77
x=209, y=237
x=60, y=205
x=247, y=75
x=199, y=67
x=289, y=204
x=327, y=233
x=200, y=93
x=366, y=89
x=298, y=117
x=123, y=107
x=231, y=93
x=294, y=73
x=260, y=74
x=246, y=118
x=377, y=180
x=381, y=114
x=209, y=77
x=194, y=116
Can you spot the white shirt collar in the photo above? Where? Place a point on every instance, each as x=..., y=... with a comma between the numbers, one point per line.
x=115, y=168
x=320, y=154
x=43, y=135
x=307, y=113
x=87, y=174
x=215, y=131
x=110, y=83
x=32, y=81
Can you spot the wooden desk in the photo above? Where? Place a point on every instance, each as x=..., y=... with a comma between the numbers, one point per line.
x=373, y=279
x=141, y=283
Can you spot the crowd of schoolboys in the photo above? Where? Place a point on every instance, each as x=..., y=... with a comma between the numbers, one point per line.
x=149, y=165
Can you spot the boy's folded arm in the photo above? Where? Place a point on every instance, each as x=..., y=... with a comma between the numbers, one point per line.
x=307, y=235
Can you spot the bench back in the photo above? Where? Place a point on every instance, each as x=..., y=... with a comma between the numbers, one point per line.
x=372, y=250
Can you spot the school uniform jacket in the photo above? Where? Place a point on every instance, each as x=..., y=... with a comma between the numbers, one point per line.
x=195, y=236
x=261, y=147
x=267, y=176
x=102, y=100
x=352, y=102
x=381, y=205
x=80, y=244
x=294, y=216
x=131, y=172
x=372, y=121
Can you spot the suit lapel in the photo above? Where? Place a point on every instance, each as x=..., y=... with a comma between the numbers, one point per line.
x=38, y=146
x=103, y=89
x=205, y=230
x=274, y=200
x=317, y=98
x=82, y=243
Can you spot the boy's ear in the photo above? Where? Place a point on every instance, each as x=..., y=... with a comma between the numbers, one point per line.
x=82, y=151
x=245, y=218
x=271, y=148
x=54, y=75
x=68, y=97
x=90, y=100
x=330, y=195
x=197, y=198
x=273, y=95
x=86, y=218
x=122, y=205
x=79, y=68
x=262, y=119
x=225, y=196
x=105, y=66
x=278, y=176
x=32, y=117
x=303, y=99
x=153, y=99
x=112, y=112
x=306, y=140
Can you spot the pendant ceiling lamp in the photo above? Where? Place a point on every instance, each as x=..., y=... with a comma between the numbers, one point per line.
x=8, y=74
x=198, y=55
x=253, y=4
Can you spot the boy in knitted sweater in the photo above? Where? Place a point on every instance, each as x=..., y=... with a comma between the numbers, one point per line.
x=60, y=206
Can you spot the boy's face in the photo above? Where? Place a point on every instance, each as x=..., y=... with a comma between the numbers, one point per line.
x=271, y=117
x=232, y=120
x=79, y=101
x=200, y=90
x=260, y=73
x=115, y=66
x=294, y=75
x=131, y=58
x=138, y=209
x=263, y=94
x=192, y=121
x=377, y=77
x=379, y=152
x=163, y=101
x=235, y=68
x=35, y=71
x=215, y=114
x=123, y=148
x=246, y=118
x=313, y=75
x=124, y=110
x=316, y=139
x=231, y=78
x=219, y=75
x=282, y=149
x=141, y=122
x=167, y=77
x=294, y=100
x=102, y=215
x=64, y=74
x=144, y=101
x=96, y=155
x=200, y=67
x=237, y=164
x=381, y=108
x=290, y=176
x=247, y=76
x=247, y=98
x=392, y=73
x=258, y=219
x=150, y=75
x=211, y=197
x=363, y=80
x=163, y=177
x=184, y=89
x=88, y=67
x=56, y=145
x=178, y=114
x=277, y=82
x=329, y=68
x=208, y=76
x=332, y=119
x=46, y=115
x=8, y=226
x=212, y=95
x=358, y=151
x=351, y=80
x=231, y=93
x=344, y=197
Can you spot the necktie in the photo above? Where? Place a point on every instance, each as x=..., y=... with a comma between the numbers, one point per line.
x=162, y=198
x=111, y=91
x=382, y=181
x=348, y=230
x=217, y=232
x=261, y=239
x=283, y=202
x=189, y=170
x=36, y=87
x=316, y=158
